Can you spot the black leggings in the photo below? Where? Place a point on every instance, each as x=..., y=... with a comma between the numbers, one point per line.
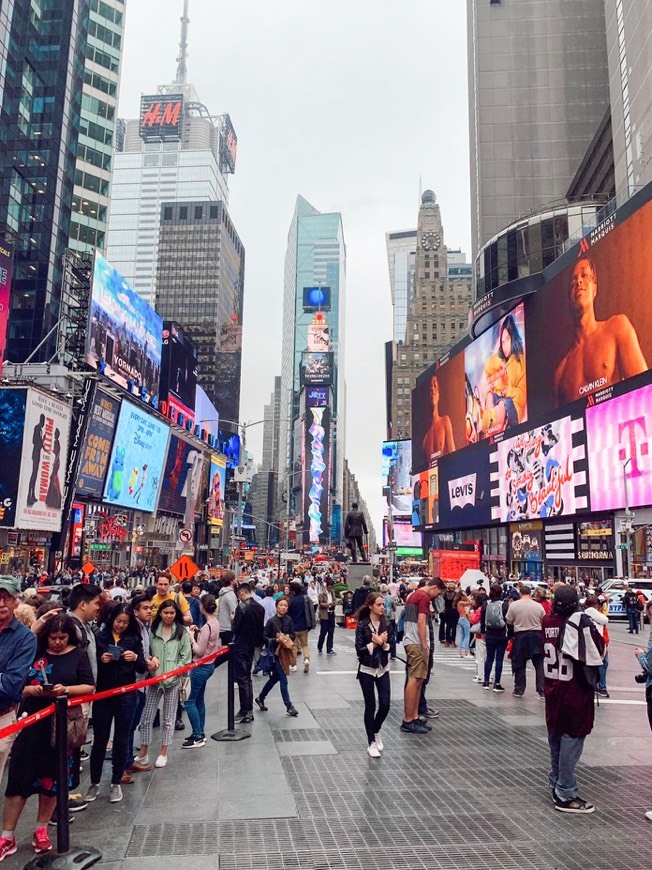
x=373, y=719
x=648, y=698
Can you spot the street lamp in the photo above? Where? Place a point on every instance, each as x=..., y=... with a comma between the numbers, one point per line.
x=628, y=518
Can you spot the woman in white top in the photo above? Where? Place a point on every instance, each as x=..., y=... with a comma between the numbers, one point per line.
x=206, y=642
x=594, y=608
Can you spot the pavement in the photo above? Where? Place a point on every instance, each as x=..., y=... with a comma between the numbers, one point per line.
x=303, y=793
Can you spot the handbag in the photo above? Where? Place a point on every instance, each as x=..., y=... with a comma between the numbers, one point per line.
x=266, y=662
x=77, y=728
x=184, y=687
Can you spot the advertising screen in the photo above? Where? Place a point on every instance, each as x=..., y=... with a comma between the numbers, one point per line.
x=404, y=535
x=397, y=465
x=317, y=368
x=317, y=474
x=12, y=426
x=228, y=146
x=465, y=488
x=495, y=378
x=43, y=462
x=425, y=498
x=229, y=445
x=207, y=419
x=438, y=413
x=319, y=334
x=178, y=384
x=137, y=459
x=540, y=472
x=619, y=440
x=316, y=298
x=124, y=334
x=180, y=477
x=161, y=117
x=94, y=461
x=216, y=487
x=316, y=397
x=6, y=272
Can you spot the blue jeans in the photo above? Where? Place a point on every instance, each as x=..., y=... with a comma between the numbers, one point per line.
x=632, y=616
x=278, y=676
x=465, y=633
x=495, y=651
x=135, y=722
x=195, y=706
x=565, y=752
x=602, y=674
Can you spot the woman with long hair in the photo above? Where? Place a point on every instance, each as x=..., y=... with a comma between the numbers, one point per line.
x=279, y=634
x=206, y=642
x=61, y=667
x=493, y=627
x=169, y=642
x=463, y=605
x=504, y=386
x=119, y=658
x=372, y=644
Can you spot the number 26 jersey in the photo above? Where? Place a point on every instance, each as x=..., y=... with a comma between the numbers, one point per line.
x=569, y=698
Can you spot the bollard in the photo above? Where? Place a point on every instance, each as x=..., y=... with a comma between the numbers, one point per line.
x=230, y=735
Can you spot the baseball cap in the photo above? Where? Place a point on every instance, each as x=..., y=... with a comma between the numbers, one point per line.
x=565, y=595
x=10, y=584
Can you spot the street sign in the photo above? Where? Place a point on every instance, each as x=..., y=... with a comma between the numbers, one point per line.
x=185, y=536
x=392, y=545
x=184, y=568
x=88, y=568
x=621, y=546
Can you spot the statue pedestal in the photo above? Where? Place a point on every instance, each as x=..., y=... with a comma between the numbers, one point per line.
x=357, y=572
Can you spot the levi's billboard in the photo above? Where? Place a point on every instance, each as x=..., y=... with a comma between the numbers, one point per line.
x=464, y=488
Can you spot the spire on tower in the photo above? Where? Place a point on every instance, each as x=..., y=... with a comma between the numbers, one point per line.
x=182, y=67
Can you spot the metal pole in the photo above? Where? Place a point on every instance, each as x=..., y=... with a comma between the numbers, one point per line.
x=61, y=731
x=230, y=735
x=628, y=521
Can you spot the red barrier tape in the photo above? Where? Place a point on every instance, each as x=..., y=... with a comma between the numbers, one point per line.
x=26, y=721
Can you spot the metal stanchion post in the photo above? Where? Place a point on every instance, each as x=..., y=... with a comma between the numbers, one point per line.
x=230, y=735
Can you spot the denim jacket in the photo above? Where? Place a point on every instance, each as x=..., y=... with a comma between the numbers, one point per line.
x=645, y=660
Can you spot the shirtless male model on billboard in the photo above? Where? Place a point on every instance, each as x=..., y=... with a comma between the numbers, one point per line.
x=603, y=351
x=438, y=439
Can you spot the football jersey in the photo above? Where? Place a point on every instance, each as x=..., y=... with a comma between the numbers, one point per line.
x=569, y=698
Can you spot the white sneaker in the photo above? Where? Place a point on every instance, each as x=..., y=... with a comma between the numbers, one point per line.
x=143, y=760
x=92, y=793
x=115, y=794
x=161, y=761
x=293, y=668
x=648, y=815
x=477, y=680
x=373, y=750
x=379, y=742
x=306, y=665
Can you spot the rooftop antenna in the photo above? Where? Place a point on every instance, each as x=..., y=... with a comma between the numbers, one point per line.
x=420, y=190
x=182, y=68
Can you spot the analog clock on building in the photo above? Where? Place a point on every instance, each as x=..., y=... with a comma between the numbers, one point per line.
x=430, y=241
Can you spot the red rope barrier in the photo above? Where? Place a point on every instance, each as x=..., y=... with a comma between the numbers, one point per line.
x=32, y=719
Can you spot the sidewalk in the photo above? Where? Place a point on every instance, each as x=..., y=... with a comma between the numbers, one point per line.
x=303, y=793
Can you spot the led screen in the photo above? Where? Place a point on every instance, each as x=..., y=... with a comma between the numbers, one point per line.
x=97, y=445
x=12, y=426
x=317, y=369
x=6, y=273
x=425, y=498
x=316, y=397
x=397, y=465
x=317, y=474
x=316, y=298
x=137, y=459
x=404, y=535
x=178, y=384
x=161, y=117
x=438, y=414
x=182, y=472
x=465, y=488
x=216, y=487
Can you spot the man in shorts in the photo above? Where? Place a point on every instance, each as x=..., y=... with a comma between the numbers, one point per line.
x=416, y=644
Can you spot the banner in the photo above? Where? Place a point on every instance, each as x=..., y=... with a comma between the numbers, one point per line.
x=43, y=462
x=97, y=445
x=181, y=477
x=216, y=487
x=12, y=425
x=6, y=271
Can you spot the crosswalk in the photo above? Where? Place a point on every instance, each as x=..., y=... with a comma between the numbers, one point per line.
x=449, y=656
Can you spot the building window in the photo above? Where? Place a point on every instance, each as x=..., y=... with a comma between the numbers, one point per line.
x=167, y=213
x=183, y=213
x=199, y=211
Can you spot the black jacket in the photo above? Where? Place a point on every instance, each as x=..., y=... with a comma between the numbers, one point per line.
x=279, y=623
x=120, y=673
x=248, y=625
x=379, y=657
x=360, y=596
x=355, y=525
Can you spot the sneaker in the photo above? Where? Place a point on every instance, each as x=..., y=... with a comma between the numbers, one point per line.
x=76, y=806
x=306, y=665
x=143, y=762
x=115, y=795
x=331, y=653
x=261, y=704
x=379, y=743
x=517, y=694
x=477, y=679
x=83, y=755
x=161, y=761
x=542, y=696
x=373, y=750
x=497, y=687
x=7, y=847
x=577, y=806
x=193, y=742
x=291, y=711
x=486, y=686
x=432, y=714
x=648, y=816
x=293, y=668
x=413, y=727
x=179, y=725
x=92, y=793
x=54, y=820
x=139, y=767
x=603, y=693
x=320, y=651
x=41, y=841
x=244, y=717
x=423, y=723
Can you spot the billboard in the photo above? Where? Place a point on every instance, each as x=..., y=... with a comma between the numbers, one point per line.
x=216, y=488
x=124, y=334
x=229, y=446
x=6, y=273
x=207, y=420
x=43, y=462
x=317, y=474
x=178, y=383
x=397, y=465
x=317, y=397
x=161, y=117
x=495, y=378
x=225, y=387
x=438, y=413
x=540, y=473
x=316, y=368
x=425, y=498
x=12, y=426
x=318, y=334
x=181, y=478
x=316, y=298
x=595, y=541
x=465, y=488
x=404, y=535
x=137, y=459
x=94, y=462
x=228, y=146
x=619, y=434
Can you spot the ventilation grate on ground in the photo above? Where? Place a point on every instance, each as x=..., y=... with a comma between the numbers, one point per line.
x=194, y=838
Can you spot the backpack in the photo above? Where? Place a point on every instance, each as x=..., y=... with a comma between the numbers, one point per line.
x=494, y=616
x=389, y=605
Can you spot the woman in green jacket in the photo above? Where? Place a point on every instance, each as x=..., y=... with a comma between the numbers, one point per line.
x=169, y=643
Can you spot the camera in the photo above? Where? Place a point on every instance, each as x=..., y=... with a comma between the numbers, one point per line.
x=641, y=678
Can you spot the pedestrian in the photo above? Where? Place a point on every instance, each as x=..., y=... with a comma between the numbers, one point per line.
x=279, y=634
x=475, y=618
x=448, y=617
x=61, y=667
x=372, y=645
x=141, y=606
x=644, y=657
x=326, y=618
x=525, y=617
x=463, y=605
x=119, y=656
x=569, y=705
x=362, y=593
x=493, y=626
x=632, y=608
x=206, y=642
x=593, y=609
x=247, y=636
x=303, y=618
x=170, y=643
x=390, y=613
x=228, y=603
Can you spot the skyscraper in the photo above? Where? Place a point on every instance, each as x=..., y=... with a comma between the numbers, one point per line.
x=263, y=494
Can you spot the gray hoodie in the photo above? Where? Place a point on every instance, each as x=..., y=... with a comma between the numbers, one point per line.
x=228, y=602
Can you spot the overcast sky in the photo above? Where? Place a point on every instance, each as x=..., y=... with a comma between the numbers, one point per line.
x=348, y=103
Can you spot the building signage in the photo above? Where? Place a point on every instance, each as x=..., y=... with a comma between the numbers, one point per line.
x=161, y=117
x=465, y=488
x=12, y=425
x=397, y=464
x=97, y=445
x=228, y=146
x=6, y=271
x=317, y=368
x=595, y=541
x=316, y=397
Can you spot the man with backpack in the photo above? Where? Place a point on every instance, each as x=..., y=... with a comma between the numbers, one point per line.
x=493, y=626
x=525, y=617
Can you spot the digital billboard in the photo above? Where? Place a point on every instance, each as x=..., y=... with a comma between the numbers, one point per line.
x=316, y=369
x=216, y=488
x=465, y=488
x=94, y=461
x=316, y=298
x=225, y=387
x=228, y=146
x=438, y=413
x=425, y=498
x=619, y=440
x=540, y=473
x=318, y=334
x=207, y=419
x=409, y=542
x=317, y=474
x=137, y=459
x=229, y=446
x=43, y=462
x=124, y=334
x=178, y=383
x=6, y=272
x=12, y=427
x=161, y=117
x=180, y=477
x=317, y=397
x=397, y=465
